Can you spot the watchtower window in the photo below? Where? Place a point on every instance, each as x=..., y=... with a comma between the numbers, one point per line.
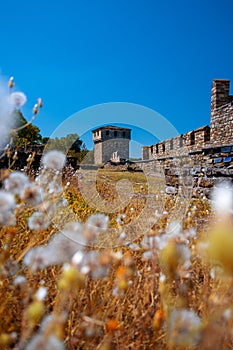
x=107, y=132
x=151, y=149
x=115, y=133
x=123, y=134
x=163, y=147
x=171, y=144
x=207, y=135
x=192, y=138
x=181, y=141
x=157, y=148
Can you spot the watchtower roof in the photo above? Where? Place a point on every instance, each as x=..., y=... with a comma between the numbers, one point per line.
x=111, y=127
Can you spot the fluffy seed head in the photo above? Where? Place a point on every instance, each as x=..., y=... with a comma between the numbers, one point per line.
x=7, y=201
x=222, y=199
x=54, y=160
x=38, y=221
x=16, y=182
x=17, y=99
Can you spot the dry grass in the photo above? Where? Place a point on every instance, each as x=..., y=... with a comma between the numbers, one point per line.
x=130, y=306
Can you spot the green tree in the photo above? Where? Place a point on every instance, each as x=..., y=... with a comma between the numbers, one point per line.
x=86, y=157
x=27, y=135
x=45, y=140
x=70, y=144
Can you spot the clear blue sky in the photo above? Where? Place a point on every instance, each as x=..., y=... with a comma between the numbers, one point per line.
x=76, y=54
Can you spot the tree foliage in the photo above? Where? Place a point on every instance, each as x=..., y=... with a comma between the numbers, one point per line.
x=70, y=144
x=30, y=134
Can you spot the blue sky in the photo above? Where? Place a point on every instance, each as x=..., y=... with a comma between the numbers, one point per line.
x=76, y=54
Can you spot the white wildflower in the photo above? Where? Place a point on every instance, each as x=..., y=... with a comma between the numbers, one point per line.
x=121, y=219
x=122, y=236
x=47, y=320
x=134, y=246
x=16, y=182
x=212, y=273
x=40, y=341
x=92, y=264
x=51, y=319
x=171, y=190
x=7, y=218
x=227, y=314
x=77, y=258
x=17, y=99
x=37, y=258
x=11, y=82
x=151, y=241
x=33, y=195
x=41, y=293
x=161, y=241
x=174, y=228
x=183, y=328
x=54, y=160
x=184, y=256
x=6, y=115
x=7, y=201
x=38, y=221
x=62, y=248
x=222, y=199
x=117, y=255
x=19, y=280
x=145, y=243
x=147, y=255
x=85, y=269
x=162, y=278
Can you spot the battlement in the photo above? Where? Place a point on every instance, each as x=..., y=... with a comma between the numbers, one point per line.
x=220, y=94
x=218, y=134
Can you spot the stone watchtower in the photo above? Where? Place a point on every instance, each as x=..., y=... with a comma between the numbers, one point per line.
x=221, y=113
x=110, y=139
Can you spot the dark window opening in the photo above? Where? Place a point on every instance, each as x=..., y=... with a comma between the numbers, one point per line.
x=157, y=148
x=181, y=141
x=171, y=144
x=123, y=134
x=151, y=149
x=163, y=147
x=192, y=138
x=207, y=136
x=107, y=132
x=115, y=133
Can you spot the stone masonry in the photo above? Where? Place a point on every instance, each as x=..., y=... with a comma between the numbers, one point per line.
x=221, y=113
x=207, y=140
x=110, y=139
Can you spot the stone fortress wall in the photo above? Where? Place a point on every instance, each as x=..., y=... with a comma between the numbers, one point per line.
x=211, y=144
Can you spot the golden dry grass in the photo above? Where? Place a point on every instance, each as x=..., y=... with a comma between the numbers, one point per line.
x=130, y=306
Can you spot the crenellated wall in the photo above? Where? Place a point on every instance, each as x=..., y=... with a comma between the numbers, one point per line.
x=218, y=134
x=222, y=125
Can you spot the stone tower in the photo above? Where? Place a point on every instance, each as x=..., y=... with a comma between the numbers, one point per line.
x=219, y=93
x=110, y=139
x=221, y=113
